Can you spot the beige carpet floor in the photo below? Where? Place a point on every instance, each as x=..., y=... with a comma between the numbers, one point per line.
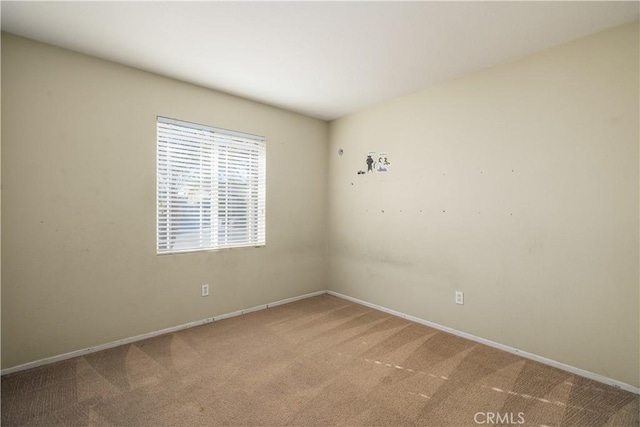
x=322, y=361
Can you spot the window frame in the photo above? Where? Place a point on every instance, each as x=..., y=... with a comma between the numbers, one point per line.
x=238, y=181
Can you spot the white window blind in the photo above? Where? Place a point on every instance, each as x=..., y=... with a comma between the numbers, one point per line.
x=211, y=188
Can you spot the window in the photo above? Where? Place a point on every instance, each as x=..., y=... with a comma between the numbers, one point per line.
x=211, y=188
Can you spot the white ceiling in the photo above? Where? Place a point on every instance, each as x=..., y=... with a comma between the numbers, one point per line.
x=323, y=59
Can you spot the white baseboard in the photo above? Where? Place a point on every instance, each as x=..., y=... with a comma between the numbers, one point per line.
x=543, y=360
x=76, y=353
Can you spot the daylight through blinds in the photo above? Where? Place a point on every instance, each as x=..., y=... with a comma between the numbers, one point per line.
x=211, y=188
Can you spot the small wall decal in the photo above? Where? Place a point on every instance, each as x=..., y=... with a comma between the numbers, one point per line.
x=383, y=162
x=376, y=162
x=371, y=163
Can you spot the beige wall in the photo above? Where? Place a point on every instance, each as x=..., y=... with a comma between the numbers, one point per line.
x=517, y=185
x=78, y=205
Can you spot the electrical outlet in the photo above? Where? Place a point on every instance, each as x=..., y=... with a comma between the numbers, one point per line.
x=205, y=290
x=459, y=297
